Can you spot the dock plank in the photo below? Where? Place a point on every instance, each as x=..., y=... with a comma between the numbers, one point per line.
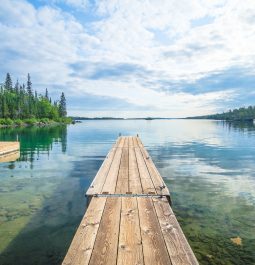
x=154, y=248
x=9, y=147
x=147, y=184
x=82, y=244
x=112, y=176
x=130, y=142
x=130, y=250
x=106, y=245
x=177, y=244
x=122, y=180
x=135, y=185
x=99, y=180
x=157, y=180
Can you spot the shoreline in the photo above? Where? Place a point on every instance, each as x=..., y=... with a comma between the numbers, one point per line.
x=35, y=124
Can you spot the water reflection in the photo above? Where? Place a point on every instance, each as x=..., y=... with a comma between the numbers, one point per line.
x=208, y=165
x=245, y=126
x=36, y=139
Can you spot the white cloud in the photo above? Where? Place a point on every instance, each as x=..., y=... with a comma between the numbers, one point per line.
x=170, y=40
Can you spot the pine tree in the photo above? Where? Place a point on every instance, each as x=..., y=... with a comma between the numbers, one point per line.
x=21, y=102
x=16, y=88
x=62, y=106
x=8, y=83
x=29, y=86
x=46, y=94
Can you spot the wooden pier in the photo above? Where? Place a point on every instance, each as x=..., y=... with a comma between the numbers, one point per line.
x=9, y=151
x=129, y=220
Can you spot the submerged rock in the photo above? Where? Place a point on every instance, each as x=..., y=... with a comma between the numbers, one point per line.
x=236, y=240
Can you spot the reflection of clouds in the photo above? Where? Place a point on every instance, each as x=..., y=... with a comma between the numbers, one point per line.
x=230, y=182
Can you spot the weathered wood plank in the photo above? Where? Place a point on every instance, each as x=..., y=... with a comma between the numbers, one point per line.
x=176, y=242
x=111, y=178
x=106, y=245
x=130, y=250
x=135, y=141
x=82, y=245
x=122, y=181
x=130, y=142
x=125, y=145
x=9, y=147
x=99, y=180
x=135, y=185
x=154, y=248
x=9, y=157
x=147, y=184
x=156, y=178
x=121, y=142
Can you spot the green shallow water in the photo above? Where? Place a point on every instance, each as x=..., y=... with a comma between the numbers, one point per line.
x=208, y=166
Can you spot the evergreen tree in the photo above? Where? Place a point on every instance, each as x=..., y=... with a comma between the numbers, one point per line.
x=62, y=106
x=21, y=103
x=16, y=88
x=46, y=94
x=29, y=86
x=8, y=83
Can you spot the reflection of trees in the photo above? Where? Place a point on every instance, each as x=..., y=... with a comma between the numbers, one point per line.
x=34, y=140
x=242, y=126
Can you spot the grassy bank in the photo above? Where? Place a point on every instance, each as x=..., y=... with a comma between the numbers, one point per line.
x=33, y=122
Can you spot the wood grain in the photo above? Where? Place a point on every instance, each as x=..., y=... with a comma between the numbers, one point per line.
x=177, y=245
x=135, y=185
x=106, y=245
x=9, y=147
x=156, y=178
x=130, y=250
x=122, y=181
x=99, y=180
x=154, y=248
x=147, y=184
x=112, y=176
x=82, y=245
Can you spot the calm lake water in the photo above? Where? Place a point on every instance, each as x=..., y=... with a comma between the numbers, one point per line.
x=209, y=167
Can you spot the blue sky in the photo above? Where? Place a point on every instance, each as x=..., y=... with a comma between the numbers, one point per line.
x=133, y=58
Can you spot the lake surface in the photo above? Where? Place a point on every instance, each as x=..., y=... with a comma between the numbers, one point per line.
x=209, y=167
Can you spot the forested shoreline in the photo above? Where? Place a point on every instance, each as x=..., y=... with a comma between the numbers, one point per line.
x=241, y=114
x=21, y=105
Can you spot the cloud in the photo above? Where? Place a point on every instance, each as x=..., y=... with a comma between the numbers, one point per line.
x=162, y=58
x=102, y=70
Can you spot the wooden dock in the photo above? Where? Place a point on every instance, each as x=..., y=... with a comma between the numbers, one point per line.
x=9, y=151
x=129, y=220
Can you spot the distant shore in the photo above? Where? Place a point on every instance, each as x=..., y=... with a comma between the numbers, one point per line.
x=113, y=118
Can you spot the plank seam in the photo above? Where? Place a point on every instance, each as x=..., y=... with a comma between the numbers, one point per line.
x=119, y=233
x=118, y=169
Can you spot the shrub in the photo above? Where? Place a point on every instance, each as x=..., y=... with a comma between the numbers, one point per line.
x=18, y=122
x=31, y=121
x=8, y=121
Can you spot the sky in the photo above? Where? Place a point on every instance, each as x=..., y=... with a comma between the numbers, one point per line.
x=133, y=58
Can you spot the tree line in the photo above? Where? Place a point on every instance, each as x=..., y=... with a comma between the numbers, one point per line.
x=241, y=114
x=21, y=101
